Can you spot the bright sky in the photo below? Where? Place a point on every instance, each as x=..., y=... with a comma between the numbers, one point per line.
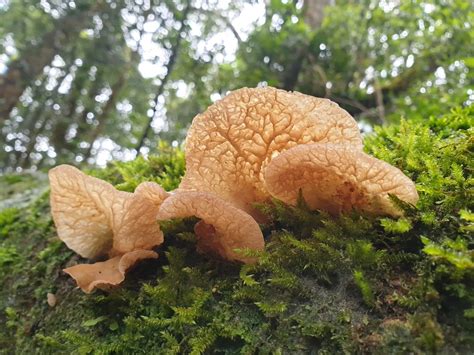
x=243, y=22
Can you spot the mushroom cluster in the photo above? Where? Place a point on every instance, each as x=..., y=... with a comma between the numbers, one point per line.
x=252, y=145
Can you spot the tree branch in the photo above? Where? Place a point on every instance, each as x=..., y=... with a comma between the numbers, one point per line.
x=31, y=63
x=169, y=69
x=224, y=19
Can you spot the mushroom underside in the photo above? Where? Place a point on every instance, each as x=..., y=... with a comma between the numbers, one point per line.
x=109, y=273
x=224, y=230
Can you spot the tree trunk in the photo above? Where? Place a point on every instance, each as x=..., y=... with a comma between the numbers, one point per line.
x=314, y=11
x=313, y=14
x=59, y=131
x=292, y=72
x=169, y=69
x=89, y=106
x=116, y=88
x=36, y=116
x=31, y=62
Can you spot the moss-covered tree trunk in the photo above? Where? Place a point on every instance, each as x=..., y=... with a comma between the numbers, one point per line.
x=354, y=284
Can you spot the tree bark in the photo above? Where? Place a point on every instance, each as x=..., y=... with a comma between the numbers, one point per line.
x=110, y=104
x=89, y=106
x=37, y=116
x=31, y=62
x=60, y=128
x=169, y=69
x=314, y=11
x=313, y=14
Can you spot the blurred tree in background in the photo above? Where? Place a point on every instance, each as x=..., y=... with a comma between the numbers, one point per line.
x=89, y=81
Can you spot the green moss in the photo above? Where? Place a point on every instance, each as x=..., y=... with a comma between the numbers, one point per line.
x=165, y=168
x=20, y=190
x=351, y=284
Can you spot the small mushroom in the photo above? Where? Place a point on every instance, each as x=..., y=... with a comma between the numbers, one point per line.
x=338, y=178
x=135, y=226
x=224, y=229
x=229, y=145
x=51, y=299
x=95, y=219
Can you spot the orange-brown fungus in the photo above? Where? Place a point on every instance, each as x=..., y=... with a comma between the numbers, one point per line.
x=245, y=148
x=109, y=273
x=94, y=219
x=338, y=178
x=230, y=144
x=224, y=230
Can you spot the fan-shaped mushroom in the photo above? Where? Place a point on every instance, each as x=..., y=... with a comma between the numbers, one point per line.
x=230, y=144
x=338, y=178
x=224, y=229
x=253, y=144
x=94, y=219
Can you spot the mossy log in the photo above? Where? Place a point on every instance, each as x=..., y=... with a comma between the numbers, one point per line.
x=352, y=284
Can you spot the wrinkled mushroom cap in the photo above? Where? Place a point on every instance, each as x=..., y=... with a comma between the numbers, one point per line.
x=224, y=229
x=134, y=219
x=229, y=145
x=338, y=178
x=78, y=205
x=92, y=217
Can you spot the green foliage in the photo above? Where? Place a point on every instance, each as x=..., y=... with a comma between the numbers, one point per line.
x=7, y=255
x=347, y=284
x=364, y=287
x=419, y=334
x=8, y=217
x=90, y=79
x=455, y=252
x=379, y=61
x=165, y=168
x=401, y=225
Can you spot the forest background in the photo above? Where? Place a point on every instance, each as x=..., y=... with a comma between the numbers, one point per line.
x=116, y=83
x=86, y=82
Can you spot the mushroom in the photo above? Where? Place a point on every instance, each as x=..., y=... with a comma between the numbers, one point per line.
x=224, y=229
x=109, y=273
x=246, y=148
x=229, y=145
x=94, y=219
x=338, y=178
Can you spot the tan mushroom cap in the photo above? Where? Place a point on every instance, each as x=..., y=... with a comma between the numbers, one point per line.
x=108, y=273
x=79, y=205
x=92, y=217
x=224, y=229
x=338, y=178
x=230, y=144
x=134, y=222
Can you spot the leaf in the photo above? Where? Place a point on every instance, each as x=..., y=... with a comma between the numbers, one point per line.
x=93, y=322
x=401, y=225
x=469, y=62
x=113, y=326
